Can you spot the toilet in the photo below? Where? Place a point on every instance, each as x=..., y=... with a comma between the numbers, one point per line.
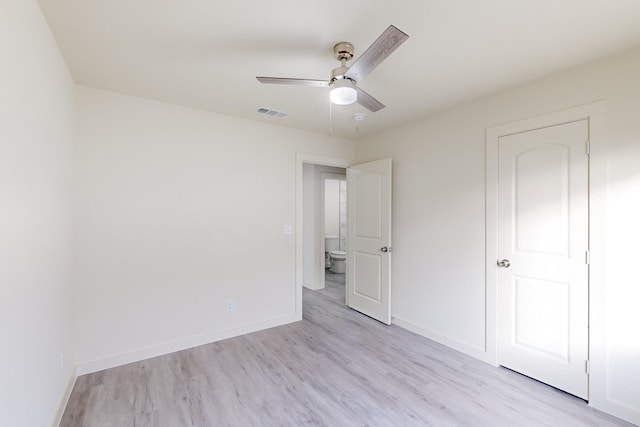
x=336, y=258
x=338, y=261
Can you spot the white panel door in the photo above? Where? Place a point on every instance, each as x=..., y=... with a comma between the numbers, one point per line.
x=543, y=243
x=369, y=239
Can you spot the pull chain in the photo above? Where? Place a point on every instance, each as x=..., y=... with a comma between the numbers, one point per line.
x=330, y=119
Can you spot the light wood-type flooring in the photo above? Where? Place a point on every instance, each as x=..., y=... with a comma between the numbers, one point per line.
x=335, y=368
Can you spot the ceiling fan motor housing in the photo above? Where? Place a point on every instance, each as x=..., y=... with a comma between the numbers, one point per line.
x=338, y=73
x=343, y=51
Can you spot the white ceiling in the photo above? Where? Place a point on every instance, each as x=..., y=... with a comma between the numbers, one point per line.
x=206, y=53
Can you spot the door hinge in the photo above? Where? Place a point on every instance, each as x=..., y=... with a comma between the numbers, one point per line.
x=587, y=257
x=587, y=367
x=588, y=146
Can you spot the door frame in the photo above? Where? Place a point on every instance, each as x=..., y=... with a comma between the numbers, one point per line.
x=596, y=113
x=301, y=159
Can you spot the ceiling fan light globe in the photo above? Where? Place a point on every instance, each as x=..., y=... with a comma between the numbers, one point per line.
x=343, y=92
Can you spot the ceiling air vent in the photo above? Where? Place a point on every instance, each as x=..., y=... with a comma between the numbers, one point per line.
x=272, y=113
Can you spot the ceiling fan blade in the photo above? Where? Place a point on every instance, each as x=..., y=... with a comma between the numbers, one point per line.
x=384, y=46
x=288, y=81
x=368, y=101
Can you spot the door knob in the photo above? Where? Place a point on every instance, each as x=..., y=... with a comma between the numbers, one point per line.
x=385, y=249
x=504, y=263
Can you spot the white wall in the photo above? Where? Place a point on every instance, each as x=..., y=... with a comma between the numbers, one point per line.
x=36, y=125
x=308, y=226
x=178, y=211
x=332, y=207
x=439, y=219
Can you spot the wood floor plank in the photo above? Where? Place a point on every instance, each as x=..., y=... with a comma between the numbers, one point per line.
x=335, y=368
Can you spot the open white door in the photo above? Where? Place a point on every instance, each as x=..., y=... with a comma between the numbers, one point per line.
x=543, y=247
x=369, y=239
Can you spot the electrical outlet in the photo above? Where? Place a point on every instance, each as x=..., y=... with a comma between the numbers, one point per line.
x=229, y=306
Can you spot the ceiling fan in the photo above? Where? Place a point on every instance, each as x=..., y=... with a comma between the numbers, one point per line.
x=344, y=80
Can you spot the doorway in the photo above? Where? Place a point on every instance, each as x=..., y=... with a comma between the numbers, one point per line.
x=368, y=260
x=310, y=258
x=332, y=217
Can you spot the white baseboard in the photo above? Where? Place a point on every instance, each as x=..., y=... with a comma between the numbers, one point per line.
x=617, y=409
x=68, y=388
x=162, y=349
x=311, y=286
x=473, y=351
